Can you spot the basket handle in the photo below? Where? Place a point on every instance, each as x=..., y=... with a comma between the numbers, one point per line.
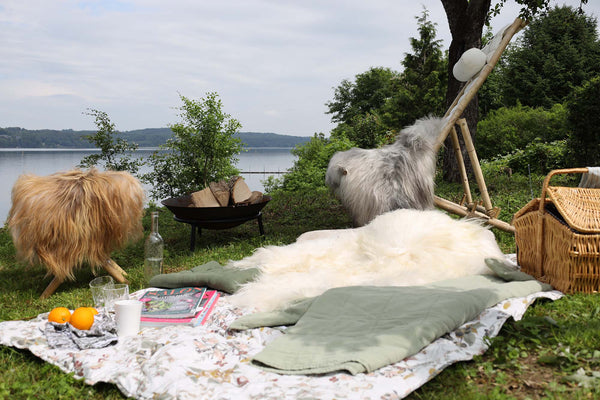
x=540, y=231
x=550, y=175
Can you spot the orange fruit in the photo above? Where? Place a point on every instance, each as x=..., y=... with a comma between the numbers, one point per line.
x=82, y=318
x=93, y=310
x=59, y=315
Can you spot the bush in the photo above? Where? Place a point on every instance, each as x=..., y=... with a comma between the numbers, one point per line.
x=308, y=172
x=202, y=150
x=506, y=130
x=537, y=157
x=114, y=150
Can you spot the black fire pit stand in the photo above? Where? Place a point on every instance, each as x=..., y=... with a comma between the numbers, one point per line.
x=197, y=225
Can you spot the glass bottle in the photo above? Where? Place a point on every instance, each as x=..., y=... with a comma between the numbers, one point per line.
x=153, y=251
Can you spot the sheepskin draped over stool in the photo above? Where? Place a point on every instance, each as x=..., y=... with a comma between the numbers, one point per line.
x=370, y=182
x=72, y=218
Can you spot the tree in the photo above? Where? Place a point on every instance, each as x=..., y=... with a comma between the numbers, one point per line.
x=366, y=94
x=381, y=102
x=365, y=130
x=202, y=149
x=420, y=89
x=557, y=52
x=466, y=19
x=113, y=150
x=584, y=120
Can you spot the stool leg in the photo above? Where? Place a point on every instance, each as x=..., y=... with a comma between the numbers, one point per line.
x=112, y=264
x=115, y=271
x=51, y=288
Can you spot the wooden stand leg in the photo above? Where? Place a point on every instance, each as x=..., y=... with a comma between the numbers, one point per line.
x=487, y=202
x=461, y=166
x=115, y=271
x=51, y=288
x=465, y=212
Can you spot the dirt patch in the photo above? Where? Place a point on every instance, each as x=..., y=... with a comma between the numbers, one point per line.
x=528, y=380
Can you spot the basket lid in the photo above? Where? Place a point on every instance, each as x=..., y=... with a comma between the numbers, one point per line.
x=580, y=207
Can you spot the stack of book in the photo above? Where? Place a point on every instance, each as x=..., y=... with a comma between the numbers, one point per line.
x=182, y=306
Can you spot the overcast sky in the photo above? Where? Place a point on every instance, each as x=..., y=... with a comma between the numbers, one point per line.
x=274, y=63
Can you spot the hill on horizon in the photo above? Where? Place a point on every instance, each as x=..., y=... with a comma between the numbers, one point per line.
x=14, y=137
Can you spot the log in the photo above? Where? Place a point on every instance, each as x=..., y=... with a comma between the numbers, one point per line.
x=204, y=198
x=255, y=198
x=240, y=192
x=232, y=181
x=221, y=192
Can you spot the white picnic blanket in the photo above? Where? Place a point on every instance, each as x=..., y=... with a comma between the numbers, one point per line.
x=211, y=362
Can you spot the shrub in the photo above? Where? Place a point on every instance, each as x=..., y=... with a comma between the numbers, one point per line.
x=114, y=151
x=507, y=129
x=308, y=172
x=202, y=150
x=537, y=157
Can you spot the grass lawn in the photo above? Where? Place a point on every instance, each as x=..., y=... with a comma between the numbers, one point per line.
x=554, y=352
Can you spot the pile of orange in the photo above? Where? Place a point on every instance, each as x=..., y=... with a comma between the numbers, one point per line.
x=82, y=318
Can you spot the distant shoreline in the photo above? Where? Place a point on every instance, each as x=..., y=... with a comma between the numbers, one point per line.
x=19, y=138
x=87, y=149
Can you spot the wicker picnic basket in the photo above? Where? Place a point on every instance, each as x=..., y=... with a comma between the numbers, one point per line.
x=558, y=236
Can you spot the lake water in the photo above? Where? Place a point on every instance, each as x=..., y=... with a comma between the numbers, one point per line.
x=14, y=162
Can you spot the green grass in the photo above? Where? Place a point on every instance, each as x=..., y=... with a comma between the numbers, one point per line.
x=550, y=353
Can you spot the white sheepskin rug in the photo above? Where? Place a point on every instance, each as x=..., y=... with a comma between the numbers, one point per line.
x=400, y=248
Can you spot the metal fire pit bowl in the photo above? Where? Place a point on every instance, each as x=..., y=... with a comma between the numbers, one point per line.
x=214, y=217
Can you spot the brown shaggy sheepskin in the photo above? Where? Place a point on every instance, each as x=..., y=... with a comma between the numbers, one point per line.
x=70, y=218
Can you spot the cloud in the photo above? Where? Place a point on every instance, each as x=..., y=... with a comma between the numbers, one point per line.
x=273, y=62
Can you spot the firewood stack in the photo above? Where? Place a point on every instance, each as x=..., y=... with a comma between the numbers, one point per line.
x=234, y=192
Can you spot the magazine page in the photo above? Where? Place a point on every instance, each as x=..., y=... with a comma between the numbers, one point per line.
x=206, y=306
x=172, y=303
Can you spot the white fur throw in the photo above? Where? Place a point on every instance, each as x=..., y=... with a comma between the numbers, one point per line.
x=400, y=248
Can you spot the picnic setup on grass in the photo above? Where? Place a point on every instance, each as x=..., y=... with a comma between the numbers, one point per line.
x=373, y=311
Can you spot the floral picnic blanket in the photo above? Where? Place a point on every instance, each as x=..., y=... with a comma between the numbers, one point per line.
x=213, y=362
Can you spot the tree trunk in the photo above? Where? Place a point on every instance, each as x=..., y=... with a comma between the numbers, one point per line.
x=466, y=20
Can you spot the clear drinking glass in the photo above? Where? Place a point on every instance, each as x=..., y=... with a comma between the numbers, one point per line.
x=120, y=291
x=96, y=287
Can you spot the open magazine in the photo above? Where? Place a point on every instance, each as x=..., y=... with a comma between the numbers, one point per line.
x=199, y=317
x=172, y=303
